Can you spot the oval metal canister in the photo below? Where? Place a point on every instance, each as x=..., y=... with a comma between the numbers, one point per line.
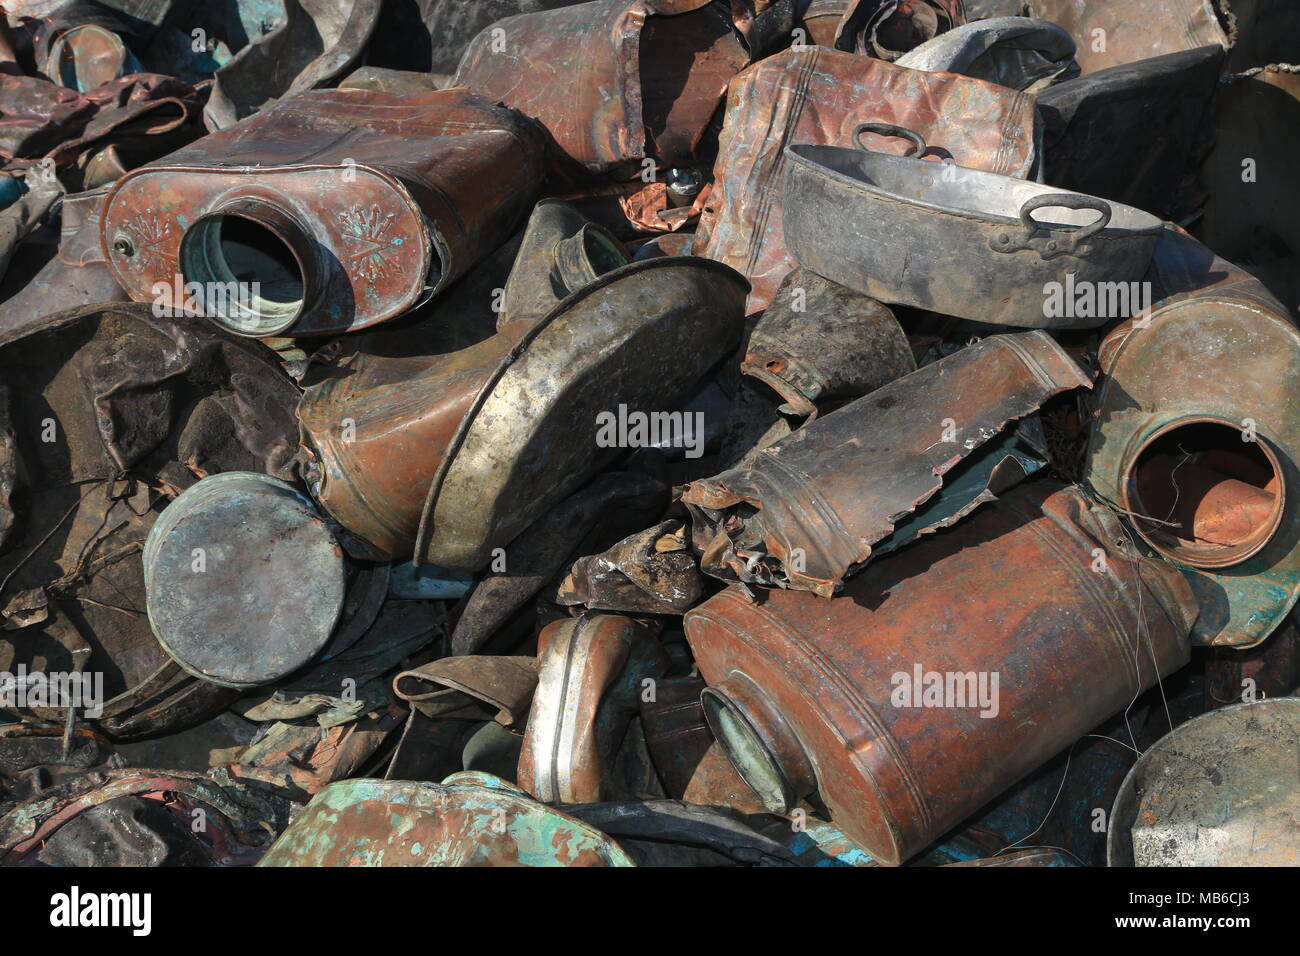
x=1197, y=438
x=943, y=673
x=1220, y=790
x=960, y=241
x=329, y=211
x=245, y=581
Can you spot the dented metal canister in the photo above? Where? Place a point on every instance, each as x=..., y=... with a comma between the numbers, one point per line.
x=1197, y=440
x=613, y=81
x=806, y=510
x=944, y=673
x=327, y=212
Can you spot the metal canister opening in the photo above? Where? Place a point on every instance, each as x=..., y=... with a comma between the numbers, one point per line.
x=251, y=280
x=753, y=760
x=1209, y=493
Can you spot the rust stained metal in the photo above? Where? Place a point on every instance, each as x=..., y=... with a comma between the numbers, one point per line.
x=504, y=684
x=1131, y=30
x=613, y=81
x=815, y=96
x=469, y=820
x=1202, y=458
x=348, y=207
x=889, y=28
x=589, y=682
x=806, y=694
x=809, y=508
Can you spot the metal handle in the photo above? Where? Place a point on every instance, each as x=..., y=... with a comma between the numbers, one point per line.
x=1055, y=242
x=1067, y=201
x=889, y=129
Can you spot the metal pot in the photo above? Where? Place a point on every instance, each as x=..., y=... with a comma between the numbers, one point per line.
x=955, y=240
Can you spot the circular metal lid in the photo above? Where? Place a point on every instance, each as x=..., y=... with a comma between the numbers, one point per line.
x=245, y=582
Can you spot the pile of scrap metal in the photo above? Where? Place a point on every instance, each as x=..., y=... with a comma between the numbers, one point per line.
x=649, y=432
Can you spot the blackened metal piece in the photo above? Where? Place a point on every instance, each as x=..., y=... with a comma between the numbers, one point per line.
x=471, y=819
x=245, y=580
x=817, y=96
x=1132, y=132
x=589, y=680
x=650, y=572
x=1269, y=669
x=828, y=696
x=1018, y=52
x=819, y=341
x=125, y=831
x=859, y=217
x=327, y=212
x=1201, y=457
x=809, y=508
x=1220, y=790
x=613, y=81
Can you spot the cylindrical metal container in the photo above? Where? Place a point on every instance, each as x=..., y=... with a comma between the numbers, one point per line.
x=245, y=581
x=943, y=673
x=327, y=212
x=1197, y=439
x=1220, y=790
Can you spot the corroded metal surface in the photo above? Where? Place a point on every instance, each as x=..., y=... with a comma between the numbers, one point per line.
x=1131, y=30
x=1174, y=414
x=650, y=572
x=478, y=821
x=817, y=96
x=889, y=28
x=1221, y=790
x=245, y=580
x=348, y=208
x=812, y=506
x=805, y=692
x=613, y=81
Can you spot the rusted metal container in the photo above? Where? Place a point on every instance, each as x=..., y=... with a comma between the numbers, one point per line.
x=816, y=96
x=613, y=81
x=809, y=508
x=468, y=820
x=344, y=207
x=1197, y=439
x=245, y=580
x=456, y=456
x=589, y=681
x=1220, y=790
x=809, y=695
